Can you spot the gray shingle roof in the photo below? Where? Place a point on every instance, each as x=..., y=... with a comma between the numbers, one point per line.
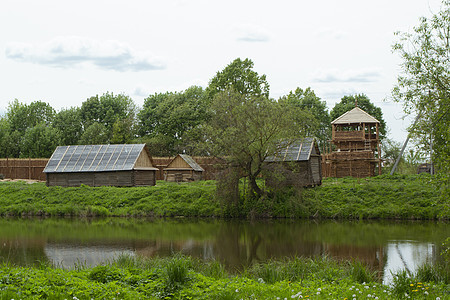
x=94, y=158
x=356, y=115
x=297, y=151
x=191, y=162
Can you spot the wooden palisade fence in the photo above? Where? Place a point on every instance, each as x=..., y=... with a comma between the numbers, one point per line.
x=23, y=168
x=31, y=168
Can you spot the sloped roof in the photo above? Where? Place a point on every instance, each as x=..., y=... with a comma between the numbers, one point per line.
x=300, y=150
x=94, y=158
x=356, y=115
x=190, y=161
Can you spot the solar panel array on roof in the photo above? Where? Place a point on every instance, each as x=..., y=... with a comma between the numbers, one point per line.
x=94, y=158
x=296, y=151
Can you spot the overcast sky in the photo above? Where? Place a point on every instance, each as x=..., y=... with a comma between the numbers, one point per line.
x=63, y=52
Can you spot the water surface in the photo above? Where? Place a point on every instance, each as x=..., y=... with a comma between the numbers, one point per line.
x=385, y=246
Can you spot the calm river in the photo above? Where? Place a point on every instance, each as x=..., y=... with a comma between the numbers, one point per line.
x=386, y=246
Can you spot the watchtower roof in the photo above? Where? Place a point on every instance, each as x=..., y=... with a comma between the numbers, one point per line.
x=356, y=115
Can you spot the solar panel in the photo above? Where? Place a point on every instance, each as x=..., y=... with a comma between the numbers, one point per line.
x=296, y=151
x=94, y=158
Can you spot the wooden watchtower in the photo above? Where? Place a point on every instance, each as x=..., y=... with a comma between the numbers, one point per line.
x=356, y=146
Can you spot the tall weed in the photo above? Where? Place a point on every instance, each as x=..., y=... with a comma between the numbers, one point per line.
x=177, y=270
x=361, y=273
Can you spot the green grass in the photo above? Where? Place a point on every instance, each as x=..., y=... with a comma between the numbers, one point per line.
x=164, y=200
x=381, y=197
x=184, y=278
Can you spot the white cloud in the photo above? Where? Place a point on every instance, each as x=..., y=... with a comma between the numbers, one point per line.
x=352, y=76
x=67, y=52
x=330, y=33
x=251, y=33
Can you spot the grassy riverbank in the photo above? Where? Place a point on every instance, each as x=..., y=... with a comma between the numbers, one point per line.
x=184, y=278
x=396, y=197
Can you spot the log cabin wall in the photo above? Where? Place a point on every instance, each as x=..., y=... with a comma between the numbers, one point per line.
x=116, y=178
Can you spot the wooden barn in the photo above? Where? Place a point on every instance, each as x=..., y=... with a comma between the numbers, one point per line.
x=356, y=146
x=297, y=164
x=101, y=165
x=183, y=168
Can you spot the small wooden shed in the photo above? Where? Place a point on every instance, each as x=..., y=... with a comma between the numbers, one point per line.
x=183, y=168
x=101, y=165
x=297, y=164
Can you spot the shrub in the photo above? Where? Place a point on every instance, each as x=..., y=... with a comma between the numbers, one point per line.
x=105, y=274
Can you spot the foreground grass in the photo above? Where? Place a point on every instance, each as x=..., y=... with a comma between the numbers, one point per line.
x=183, y=278
x=383, y=197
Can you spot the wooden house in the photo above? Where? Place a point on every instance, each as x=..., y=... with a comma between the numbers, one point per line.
x=101, y=165
x=356, y=146
x=296, y=164
x=183, y=168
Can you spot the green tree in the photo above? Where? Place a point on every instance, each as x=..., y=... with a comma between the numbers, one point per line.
x=166, y=119
x=95, y=134
x=248, y=129
x=106, y=110
x=4, y=137
x=22, y=116
x=123, y=132
x=239, y=76
x=424, y=84
x=91, y=111
x=69, y=125
x=348, y=103
x=39, y=141
x=319, y=125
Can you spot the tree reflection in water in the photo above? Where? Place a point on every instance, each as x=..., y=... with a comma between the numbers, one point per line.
x=236, y=244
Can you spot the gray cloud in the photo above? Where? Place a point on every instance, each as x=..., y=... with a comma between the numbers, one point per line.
x=67, y=52
x=359, y=76
x=141, y=92
x=251, y=33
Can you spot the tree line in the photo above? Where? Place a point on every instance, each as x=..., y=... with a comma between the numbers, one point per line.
x=170, y=122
